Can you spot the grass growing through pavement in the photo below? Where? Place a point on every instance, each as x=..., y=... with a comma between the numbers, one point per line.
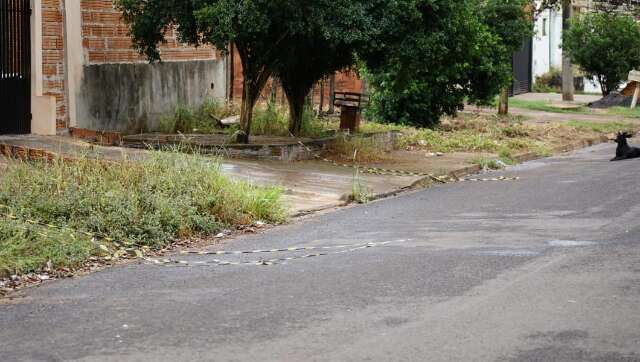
x=169, y=195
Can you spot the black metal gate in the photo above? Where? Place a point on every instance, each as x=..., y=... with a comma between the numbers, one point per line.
x=522, y=69
x=15, y=66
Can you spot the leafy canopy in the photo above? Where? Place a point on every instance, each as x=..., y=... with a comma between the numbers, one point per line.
x=437, y=53
x=606, y=46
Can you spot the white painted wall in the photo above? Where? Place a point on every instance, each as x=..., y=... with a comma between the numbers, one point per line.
x=547, y=40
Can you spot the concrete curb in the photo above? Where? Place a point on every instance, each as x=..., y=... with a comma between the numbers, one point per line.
x=462, y=172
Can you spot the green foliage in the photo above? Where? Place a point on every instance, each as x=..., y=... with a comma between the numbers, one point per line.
x=169, y=195
x=600, y=127
x=549, y=82
x=505, y=137
x=323, y=38
x=606, y=46
x=26, y=248
x=271, y=120
x=438, y=53
x=487, y=163
x=545, y=106
x=358, y=149
x=201, y=120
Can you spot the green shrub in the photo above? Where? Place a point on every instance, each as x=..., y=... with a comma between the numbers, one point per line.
x=200, y=120
x=549, y=82
x=605, y=46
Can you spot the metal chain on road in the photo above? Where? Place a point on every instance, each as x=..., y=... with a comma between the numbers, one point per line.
x=390, y=172
x=139, y=253
x=170, y=262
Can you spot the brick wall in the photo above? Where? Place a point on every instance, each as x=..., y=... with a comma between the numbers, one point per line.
x=53, y=68
x=346, y=81
x=105, y=38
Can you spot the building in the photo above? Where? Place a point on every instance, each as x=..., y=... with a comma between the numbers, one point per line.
x=547, y=45
x=73, y=65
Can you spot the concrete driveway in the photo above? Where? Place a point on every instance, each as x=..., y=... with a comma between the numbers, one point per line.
x=542, y=269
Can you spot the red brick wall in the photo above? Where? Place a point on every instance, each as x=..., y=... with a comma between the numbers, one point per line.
x=346, y=81
x=53, y=68
x=106, y=41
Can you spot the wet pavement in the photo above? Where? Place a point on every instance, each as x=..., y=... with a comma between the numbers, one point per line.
x=546, y=268
x=308, y=185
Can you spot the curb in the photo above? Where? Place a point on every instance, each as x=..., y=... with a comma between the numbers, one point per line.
x=462, y=172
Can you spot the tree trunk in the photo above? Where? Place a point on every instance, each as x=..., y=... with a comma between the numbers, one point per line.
x=274, y=88
x=254, y=80
x=503, y=106
x=246, y=114
x=296, y=109
x=332, y=93
x=567, y=68
x=321, y=107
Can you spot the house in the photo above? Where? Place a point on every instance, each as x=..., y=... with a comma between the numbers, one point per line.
x=70, y=64
x=546, y=53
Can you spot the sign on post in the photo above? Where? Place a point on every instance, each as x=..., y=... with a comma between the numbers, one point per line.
x=634, y=76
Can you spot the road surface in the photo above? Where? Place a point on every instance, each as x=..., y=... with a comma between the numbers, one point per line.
x=542, y=269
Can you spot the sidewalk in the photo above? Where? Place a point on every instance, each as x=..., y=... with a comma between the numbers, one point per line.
x=308, y=185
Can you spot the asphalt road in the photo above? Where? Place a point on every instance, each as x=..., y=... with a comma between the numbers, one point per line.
x=542, y=269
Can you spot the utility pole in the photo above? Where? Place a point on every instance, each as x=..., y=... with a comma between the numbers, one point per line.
x=567, y=68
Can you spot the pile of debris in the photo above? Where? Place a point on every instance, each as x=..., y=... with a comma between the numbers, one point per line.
x=615, y=99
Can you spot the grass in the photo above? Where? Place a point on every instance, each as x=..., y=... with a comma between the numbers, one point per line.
x=599, y=127
x=358, y=149
x=475, y=134
x=545, y=106
x=624, y=112
x=487, y=163
x=169, y=195
x=199, y=120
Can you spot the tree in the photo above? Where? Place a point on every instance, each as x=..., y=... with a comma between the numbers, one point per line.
x=257, y=29
x=322, y=39
x=434, y=54
x=606, y=46
x=605, y=6
x=512, y=21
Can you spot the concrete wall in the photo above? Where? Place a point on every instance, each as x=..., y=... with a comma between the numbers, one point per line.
x=133, y=97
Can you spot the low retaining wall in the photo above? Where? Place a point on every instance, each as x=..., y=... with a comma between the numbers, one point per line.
x=287, y=152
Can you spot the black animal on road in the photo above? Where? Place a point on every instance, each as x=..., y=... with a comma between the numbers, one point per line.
x=624, y=151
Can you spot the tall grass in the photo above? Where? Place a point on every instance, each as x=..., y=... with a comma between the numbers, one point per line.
x=150, y=202
x=200, y=120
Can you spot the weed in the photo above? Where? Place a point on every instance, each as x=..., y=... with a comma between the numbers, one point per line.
x=544, y=106
x=364, y=149
x=488, y=163
x=203, y=119
x=601, y=127
x=150, y=202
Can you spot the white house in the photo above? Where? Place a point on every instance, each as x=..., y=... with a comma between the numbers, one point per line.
x=547, y=44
